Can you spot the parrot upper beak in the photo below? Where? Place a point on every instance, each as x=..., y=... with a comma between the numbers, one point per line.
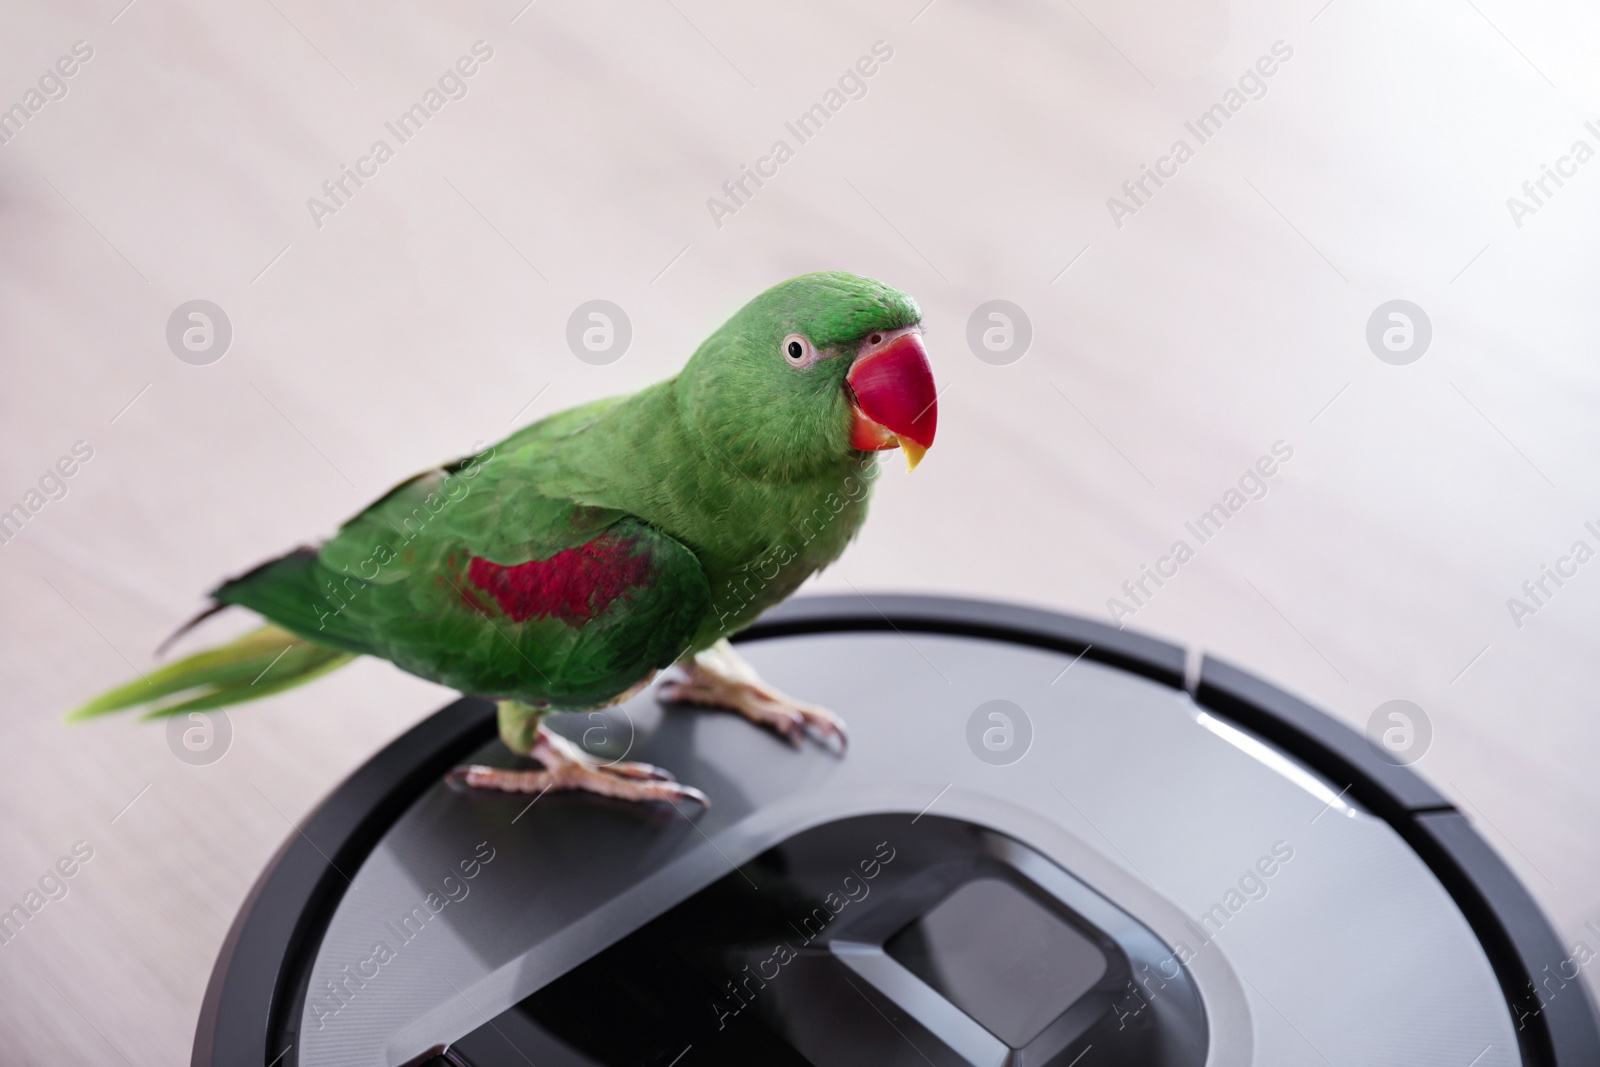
x=892, y=392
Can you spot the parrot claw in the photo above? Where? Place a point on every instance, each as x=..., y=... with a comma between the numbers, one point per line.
x=648, y=772
x=555, y=752
x=567, y=767
x=720, y=678
x=590, y=780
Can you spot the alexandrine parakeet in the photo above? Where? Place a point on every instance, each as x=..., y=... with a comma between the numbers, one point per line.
x=561, y=568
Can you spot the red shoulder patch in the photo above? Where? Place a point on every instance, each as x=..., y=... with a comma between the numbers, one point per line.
x=574, y=585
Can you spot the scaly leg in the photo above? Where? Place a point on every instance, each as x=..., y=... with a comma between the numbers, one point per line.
x=720, y=678
x=566, y=766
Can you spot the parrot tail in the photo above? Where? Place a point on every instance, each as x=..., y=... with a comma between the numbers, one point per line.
x=258, y=664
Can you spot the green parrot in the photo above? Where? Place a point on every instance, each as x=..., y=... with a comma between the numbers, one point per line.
x=563, y=567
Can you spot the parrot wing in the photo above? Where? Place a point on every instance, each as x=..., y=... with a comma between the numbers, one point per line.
x=472, y=577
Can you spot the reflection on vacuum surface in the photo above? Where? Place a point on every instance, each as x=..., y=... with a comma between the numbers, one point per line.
x=1000, y=957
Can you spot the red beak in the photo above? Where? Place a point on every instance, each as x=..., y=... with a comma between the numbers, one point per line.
x=895, y=400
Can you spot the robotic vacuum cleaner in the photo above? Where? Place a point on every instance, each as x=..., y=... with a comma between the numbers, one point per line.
x=1049, y=845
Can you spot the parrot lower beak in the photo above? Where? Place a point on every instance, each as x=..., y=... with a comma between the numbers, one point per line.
x=892, y=391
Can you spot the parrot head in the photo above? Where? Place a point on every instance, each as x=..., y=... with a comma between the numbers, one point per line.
x=812, y=371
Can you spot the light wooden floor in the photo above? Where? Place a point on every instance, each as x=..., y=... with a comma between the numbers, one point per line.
x=1227, y=312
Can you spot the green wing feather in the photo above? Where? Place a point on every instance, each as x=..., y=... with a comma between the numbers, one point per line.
x=471, y=577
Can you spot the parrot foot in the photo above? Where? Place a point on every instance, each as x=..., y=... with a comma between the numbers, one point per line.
x=720, y=678
x=566, y=766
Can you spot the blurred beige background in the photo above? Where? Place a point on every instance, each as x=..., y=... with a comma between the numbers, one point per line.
x=1227, y=313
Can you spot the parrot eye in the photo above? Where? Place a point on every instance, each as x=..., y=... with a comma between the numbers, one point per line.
x=798, y=351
